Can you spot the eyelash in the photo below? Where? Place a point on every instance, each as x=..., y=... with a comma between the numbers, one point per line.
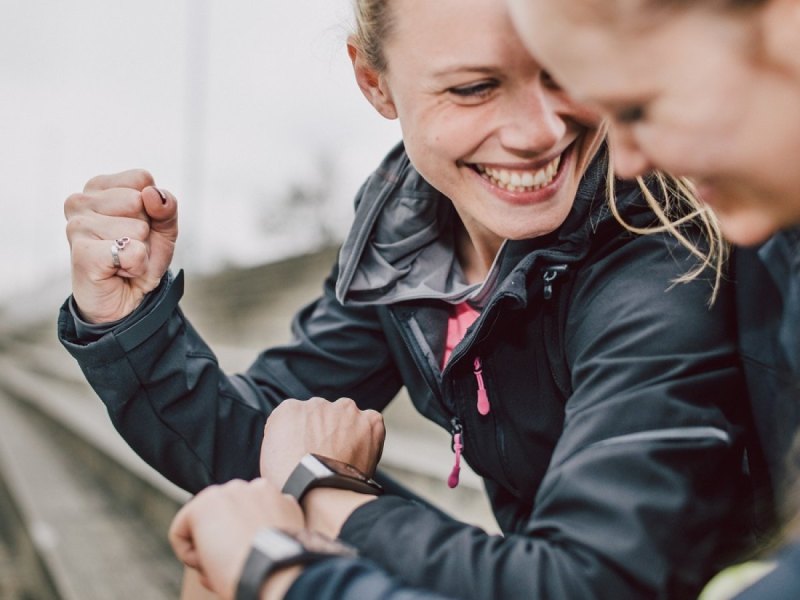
x=549, y=82
x=630, y=115
x=478, y=90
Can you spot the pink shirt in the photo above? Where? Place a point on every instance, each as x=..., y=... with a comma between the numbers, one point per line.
x=461, y=317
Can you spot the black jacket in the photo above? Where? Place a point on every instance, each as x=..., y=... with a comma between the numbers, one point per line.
x=768, y=305
x=610, y=454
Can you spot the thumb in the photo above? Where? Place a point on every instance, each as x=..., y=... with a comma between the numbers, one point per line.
x=162, y=209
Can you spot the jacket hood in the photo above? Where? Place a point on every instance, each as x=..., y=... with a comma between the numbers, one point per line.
x=401, y=246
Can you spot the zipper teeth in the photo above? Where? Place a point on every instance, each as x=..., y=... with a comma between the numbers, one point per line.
x=462, y=348
x=431, y=376
x=675, y=433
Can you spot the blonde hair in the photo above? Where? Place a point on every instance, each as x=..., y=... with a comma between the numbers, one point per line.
x=373, y=25
x=676, y=205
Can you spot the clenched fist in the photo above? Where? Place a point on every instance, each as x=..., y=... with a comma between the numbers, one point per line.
x=121, y=231
x=337, y=429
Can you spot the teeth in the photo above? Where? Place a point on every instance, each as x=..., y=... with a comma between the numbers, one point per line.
x=521, y=181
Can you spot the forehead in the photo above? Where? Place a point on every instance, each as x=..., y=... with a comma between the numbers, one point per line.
x=585, y=54
x=611, y=50
x=438, y=29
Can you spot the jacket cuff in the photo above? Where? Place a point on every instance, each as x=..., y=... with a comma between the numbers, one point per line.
x=86, y=332
x=101, y=344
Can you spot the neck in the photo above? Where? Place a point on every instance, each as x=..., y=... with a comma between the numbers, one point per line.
x=476, y=252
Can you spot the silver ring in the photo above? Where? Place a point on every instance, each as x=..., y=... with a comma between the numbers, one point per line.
x=119, y=244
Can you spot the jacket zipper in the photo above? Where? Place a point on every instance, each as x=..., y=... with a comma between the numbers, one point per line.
x=457, y=446
x=549, y=275
x=483, y=404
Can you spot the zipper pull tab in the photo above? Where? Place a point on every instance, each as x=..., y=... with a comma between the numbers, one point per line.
x=549, y=275
x=457, y=446
x=483, y=397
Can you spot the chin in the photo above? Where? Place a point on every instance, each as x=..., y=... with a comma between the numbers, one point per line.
x=746, y=228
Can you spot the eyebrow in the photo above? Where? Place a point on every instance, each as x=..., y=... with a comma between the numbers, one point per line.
x=614, y=103
x=465, y=68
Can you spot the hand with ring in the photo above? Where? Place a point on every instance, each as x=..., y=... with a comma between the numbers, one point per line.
x=122, y=232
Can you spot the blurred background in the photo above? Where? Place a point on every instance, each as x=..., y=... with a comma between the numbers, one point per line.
x=248, y=112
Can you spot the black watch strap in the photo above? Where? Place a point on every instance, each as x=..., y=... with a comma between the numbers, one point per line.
x=315, y=470
x=274, y=549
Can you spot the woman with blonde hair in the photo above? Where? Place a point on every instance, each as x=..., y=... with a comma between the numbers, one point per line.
x=710, y=89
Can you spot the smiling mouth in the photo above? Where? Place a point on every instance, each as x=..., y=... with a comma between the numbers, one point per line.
x=520, y=180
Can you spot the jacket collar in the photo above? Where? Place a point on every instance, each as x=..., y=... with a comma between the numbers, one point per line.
x=400, y=247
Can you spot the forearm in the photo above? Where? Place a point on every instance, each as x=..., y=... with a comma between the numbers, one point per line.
x=352, y=579
x=609, y=523
x=156, y=376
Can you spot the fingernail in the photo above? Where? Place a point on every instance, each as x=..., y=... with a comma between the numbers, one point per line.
x=162, y=194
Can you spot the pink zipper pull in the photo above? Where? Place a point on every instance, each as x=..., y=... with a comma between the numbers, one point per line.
x=483, y=398
x=458, y=447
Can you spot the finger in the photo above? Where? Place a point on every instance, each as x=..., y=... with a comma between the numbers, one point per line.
x=115, y=202
x=97, y=257
x=180, y=532
x=135, y=179
x=348, y=405
x=189, y=556
x=162, y=208
x=95, y=226
x=205, y=581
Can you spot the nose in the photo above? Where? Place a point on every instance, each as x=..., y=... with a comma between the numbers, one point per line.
x=533, y=123
x=629, y=159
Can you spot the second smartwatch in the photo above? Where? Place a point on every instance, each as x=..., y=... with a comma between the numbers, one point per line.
x=315, y=470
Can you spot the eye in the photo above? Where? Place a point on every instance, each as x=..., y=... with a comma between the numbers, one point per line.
x=630, y=114
x=474, y=91
x=549, y=81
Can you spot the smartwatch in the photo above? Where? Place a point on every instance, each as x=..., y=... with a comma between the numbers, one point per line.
x=274, y=549
x=315, y=471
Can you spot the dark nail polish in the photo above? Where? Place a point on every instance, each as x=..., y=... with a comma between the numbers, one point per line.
x=162, y=194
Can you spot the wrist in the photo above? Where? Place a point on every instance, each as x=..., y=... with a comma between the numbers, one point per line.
x=327, y=509
x=315, y=471
x=276, y=559
x=279, y=582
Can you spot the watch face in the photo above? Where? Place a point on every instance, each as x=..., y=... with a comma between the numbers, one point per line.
x=342, y=468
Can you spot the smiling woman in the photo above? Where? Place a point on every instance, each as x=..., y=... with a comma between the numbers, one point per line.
x=479, y=117
x=485, y=273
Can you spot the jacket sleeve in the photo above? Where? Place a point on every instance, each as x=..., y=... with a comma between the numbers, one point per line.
x=168, y=398
x=641, y=495
x=352, y=579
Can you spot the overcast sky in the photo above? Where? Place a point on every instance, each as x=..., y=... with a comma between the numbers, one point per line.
x=229, y=104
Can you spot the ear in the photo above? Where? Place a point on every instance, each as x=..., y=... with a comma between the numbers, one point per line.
x=372, y=83
x=780, y=23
